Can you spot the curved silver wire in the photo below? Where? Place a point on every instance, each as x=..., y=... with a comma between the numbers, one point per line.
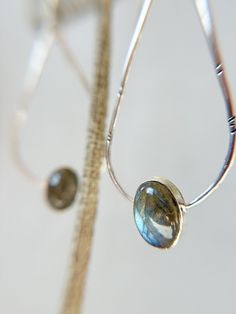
x=39, y=55
x=206, y=20
x=44, y=41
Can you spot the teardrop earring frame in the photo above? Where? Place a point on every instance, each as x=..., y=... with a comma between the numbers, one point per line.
x=62, y=185
x=159, y=207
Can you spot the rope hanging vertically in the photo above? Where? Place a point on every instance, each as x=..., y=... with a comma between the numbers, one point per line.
x=84, y=229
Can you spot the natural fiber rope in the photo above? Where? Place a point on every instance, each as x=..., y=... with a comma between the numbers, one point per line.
x=95, y=152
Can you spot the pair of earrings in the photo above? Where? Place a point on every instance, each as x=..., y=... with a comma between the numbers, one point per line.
x=158, y=205
x=62, y=185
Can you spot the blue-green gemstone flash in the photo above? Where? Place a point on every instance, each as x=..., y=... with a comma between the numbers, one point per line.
x=157, y=214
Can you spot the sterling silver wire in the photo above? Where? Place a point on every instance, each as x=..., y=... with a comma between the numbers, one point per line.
x=47, y=34
x=206, y=19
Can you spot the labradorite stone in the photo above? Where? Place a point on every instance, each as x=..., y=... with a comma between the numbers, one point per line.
x=62, y=188
x=157, y=214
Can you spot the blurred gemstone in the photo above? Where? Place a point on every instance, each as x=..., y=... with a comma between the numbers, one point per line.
x=157, y=214
x=62, y=188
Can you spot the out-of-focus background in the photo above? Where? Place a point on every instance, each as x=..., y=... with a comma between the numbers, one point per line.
x=172, y=124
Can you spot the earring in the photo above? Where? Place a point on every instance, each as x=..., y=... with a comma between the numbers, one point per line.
x=62, y=185
x=158, y=205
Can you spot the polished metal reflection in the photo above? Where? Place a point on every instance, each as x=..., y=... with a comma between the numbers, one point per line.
x=206, y=20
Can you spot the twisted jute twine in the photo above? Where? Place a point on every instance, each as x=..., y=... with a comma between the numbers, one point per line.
x=84, y=229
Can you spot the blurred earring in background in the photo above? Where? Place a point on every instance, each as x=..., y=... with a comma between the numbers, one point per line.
x=62, y=185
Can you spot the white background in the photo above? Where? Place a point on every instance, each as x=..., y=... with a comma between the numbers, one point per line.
x=172, y=124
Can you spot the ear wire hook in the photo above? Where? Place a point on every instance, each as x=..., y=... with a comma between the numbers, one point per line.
x=206, y=20
x=46, y=36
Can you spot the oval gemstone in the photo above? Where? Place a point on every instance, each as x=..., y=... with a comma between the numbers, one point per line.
x=62, y=188
x=158, y=213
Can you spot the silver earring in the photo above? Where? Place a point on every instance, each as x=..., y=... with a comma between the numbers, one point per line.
x=159, y=206
x=62, y=185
